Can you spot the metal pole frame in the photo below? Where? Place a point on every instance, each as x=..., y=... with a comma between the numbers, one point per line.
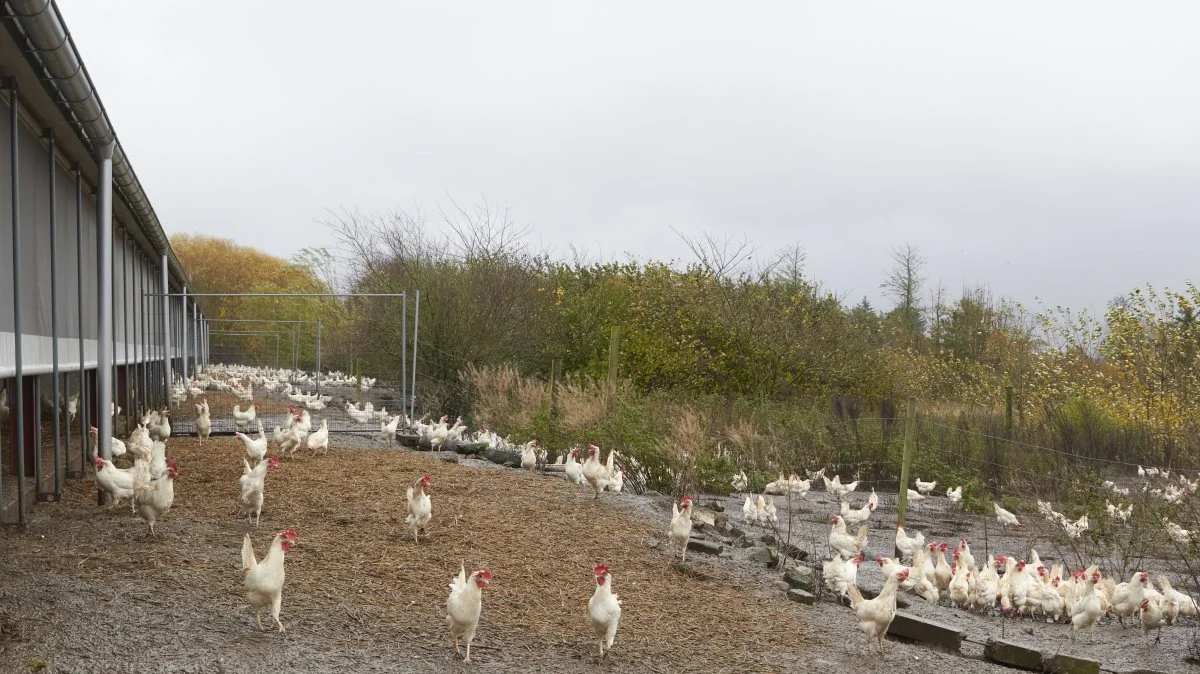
x=19, y=373
x=84, y=399
x=416, y=324
x=125, y=322
x=318, y=356
x=104, y=369
x=55, y=391
x=166, y=328
x=183, y=327
x=404, y=354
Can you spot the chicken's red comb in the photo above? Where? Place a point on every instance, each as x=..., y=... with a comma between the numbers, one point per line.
x=600, y=569
x=485, y=574
x=290, y=533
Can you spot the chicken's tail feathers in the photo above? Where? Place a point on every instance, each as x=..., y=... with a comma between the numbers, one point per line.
x=856, y=597
x=248, y=560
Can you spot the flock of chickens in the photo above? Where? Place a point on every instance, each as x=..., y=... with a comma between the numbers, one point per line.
x=148, y=484
x=1016, y=586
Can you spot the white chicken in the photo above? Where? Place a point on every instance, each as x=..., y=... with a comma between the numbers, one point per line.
x=908, y=546
x=604, y=609
x=594, y=471
x=117, y=483
x=256, y=448
x=955, y=495
x=387, y=431
x=264, y=580
x=875, y=615
x=203, y=421
x=464, y=606
x=420, y=508
x=1150, y=614
x=857, y=515
x=243, y=419
x=152, y=497
x=320, y=439
x=162, y=430
x=844, y=544
x=572, y=469
x=529, y=456
x=749, y=511
x=841, y=574
x=1004, y=517
x=925, y=487
x=1185, y=603
x=681, y=526
x=252, y=485
x=740, y=482
x=116, y=447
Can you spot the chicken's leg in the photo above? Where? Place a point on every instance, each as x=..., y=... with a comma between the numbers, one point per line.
x=457, y=651
x=275, y=611
x=258, y=617
x=468, y=658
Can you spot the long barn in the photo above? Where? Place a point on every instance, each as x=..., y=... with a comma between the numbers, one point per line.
x=86, y=249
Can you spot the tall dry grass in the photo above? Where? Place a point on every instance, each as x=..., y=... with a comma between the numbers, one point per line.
x=582, y=403
x=504, y=399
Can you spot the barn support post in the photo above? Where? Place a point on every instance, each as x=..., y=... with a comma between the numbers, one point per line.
x=125, y=386
x=55, y=391
x=166, y=327
x=104, y=360
x=85, y=417
x=19, y=373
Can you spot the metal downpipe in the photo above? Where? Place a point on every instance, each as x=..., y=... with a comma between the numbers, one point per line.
x=104, y=359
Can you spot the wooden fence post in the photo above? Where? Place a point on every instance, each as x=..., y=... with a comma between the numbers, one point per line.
x=910, y=431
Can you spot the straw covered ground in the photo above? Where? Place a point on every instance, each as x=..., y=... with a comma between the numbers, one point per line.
x=87, y=589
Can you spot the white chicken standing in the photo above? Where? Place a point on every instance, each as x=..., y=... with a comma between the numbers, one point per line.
x=252, y=484
x=420, y=509
x=116, y=482
x=681, y=525
x=572, y=469
x=604, y=609
x=529, y=456
x=203, y=420
x=594, y=471
x=256, y=448
x=464, y=606
x=925, y=487
x=875, y=615
x=152, y=497
x=1004, y=517
x=243, y=419
x=264, y=580
x=320, y=439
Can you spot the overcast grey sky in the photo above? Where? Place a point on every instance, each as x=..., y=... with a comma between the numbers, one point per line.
x=1046, y=149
